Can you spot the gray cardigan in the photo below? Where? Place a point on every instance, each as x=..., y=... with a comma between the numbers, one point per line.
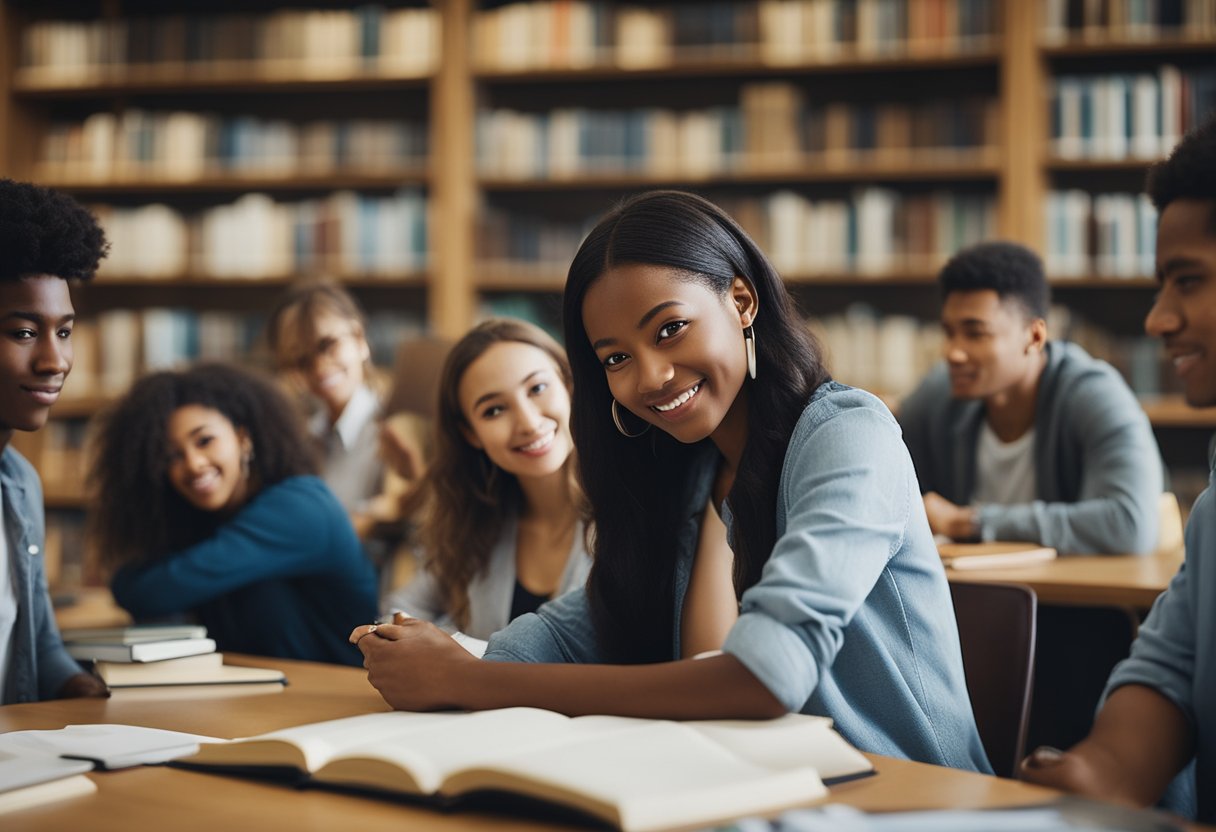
x=1098, y=471
x=490, y=591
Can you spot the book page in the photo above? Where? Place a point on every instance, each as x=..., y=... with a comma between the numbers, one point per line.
x=654, y=775
x=790, y=741
x=112, y=746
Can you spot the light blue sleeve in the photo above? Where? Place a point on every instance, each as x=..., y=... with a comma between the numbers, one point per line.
x=559, y=632
x=1117, y=511
x=1163, y=654
x=289, y=529
x=848, y=487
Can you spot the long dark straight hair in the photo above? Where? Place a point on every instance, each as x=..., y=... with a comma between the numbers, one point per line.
x=643, y=492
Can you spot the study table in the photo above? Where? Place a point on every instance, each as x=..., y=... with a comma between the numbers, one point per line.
x=161, y=798
x=1087, y=580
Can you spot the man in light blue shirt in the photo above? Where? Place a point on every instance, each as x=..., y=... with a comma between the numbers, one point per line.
x=1160, y=707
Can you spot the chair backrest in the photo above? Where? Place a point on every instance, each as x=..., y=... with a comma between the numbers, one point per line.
x=996, y=626
x=416, y=370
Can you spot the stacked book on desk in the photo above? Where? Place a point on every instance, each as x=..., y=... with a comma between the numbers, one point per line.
x=166, y=660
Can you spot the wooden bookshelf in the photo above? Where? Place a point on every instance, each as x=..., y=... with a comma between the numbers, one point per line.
x=209, y=80
x=229, y=183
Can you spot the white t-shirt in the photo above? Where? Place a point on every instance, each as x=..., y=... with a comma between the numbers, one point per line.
x=1004, y=471
x=8, y=602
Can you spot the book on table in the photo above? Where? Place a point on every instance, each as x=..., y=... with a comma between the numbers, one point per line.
x=636, y=774
x=140, y=651
x=134, y=634
x=204, y=669
x=994, y=555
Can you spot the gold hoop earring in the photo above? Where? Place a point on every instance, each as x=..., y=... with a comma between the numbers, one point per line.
x=616, y=420
x=749, y=345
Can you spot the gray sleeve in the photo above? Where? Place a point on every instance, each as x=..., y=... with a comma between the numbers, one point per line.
x=916, y=419
x=1118, y=507
x=559, y=632
x=419, y=598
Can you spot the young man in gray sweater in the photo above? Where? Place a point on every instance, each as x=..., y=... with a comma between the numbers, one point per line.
x=1016, y=437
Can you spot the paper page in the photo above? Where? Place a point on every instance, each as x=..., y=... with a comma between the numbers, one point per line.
x=54, y=791
x=113, y=746
x=19, y=768
x=648, y=776
x=787, y=742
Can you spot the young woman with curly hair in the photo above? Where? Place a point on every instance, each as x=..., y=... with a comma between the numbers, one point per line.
x=206, y=503
x=504, y=531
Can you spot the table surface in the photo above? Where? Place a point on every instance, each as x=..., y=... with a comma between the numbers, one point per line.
x=1090, y=580
x=156, y=797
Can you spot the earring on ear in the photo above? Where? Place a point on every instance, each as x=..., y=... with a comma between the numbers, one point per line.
x=616, y=420
x=749, y=345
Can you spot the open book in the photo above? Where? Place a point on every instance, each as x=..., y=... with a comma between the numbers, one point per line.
x=636, y=774
x=995, y=555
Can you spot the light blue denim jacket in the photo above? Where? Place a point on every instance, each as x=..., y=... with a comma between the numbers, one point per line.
x=39, y=665
x=1175, y=651
x=851, y=617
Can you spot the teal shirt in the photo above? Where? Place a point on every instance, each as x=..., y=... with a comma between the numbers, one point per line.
x=285, y=576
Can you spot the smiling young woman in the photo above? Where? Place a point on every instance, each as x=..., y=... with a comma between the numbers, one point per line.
x=505, y=456
x=206, y=505
x=741, y=499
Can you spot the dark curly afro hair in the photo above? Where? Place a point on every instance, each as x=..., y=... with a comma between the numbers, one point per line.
x=1013, y=271
x=46, y=232
x=1189, y=172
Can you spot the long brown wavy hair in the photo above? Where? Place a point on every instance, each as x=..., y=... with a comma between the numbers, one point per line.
x=470, y=498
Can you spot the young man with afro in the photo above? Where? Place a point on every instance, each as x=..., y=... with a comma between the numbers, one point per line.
x=1159, y=713
x=46, y=239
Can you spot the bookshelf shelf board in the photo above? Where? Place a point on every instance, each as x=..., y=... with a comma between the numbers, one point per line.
x=1156, y=46
x=943, y=170
x=1174, y=412
x=410, y=280
x=744, y=66
x=218, y=78
x=520, y=277
x=858, y=280
x=1058, y=165
x=1136, y=283
x=288, y=182
x=66, y=498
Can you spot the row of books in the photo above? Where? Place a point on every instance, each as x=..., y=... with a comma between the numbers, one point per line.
x=891, y=353
x=1126, y=20
x=1125, y=116
x=772, y=130
x=185, y=146
x=256, y=237
x=874, y=232
x=307, y=43
x=573, y=34
x=1103, y=235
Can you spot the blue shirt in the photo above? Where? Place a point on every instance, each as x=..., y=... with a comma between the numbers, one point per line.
x=39, y=665
x=851, y=617
x=285, y=576
x=1175, y=651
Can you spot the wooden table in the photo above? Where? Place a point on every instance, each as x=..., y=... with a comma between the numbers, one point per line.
x=162, y=798
x=1089, y=580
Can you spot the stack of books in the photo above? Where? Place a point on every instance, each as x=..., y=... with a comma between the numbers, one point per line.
x=159, y=661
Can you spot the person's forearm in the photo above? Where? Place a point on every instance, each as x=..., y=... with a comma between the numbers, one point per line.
x=713, y=688
x=1139, y=742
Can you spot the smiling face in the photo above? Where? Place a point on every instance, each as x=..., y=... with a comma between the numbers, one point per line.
x=517, y=409
x=1184, y=312
x=671, y=347
x=331, y=361
x=990, y=345
x=36, y=318
x=205, y=458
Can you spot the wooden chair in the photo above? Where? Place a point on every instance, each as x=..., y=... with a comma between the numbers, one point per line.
x=996, y=625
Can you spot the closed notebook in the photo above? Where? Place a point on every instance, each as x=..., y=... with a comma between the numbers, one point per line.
x=638, y=775
x=144, y=651
x=995, y=555
x=134, y=634
x=206, y=669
